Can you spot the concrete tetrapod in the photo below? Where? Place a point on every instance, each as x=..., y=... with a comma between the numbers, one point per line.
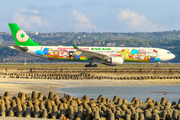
x=84, y=108
x=19, y=111
x=54, y=113
x=71, y=113
x=2, y=110
x=28, y=112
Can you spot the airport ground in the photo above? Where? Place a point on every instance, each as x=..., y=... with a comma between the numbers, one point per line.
x=14, y=85
x=151, y=65
x=21, y=84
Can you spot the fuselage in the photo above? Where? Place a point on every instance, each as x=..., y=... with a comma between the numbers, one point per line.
x=129, y=54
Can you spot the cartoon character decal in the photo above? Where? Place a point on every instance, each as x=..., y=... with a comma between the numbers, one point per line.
x=138, y=55
x=71, y=54
x=65, y=54
x=46, y=51
x=142, y=54
x=158, y=60
x=60, y=53
x=152, y=54
x=124, y=53
x=135, y=53
x=78, y=54
x=56, y=53
x=39, y=52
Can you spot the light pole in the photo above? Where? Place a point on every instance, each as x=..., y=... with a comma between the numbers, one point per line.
x=25, y=61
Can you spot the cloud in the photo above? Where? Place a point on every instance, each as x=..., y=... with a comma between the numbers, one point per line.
x=82, y=22
x=138, y=22
x=29, y=18
x=28, y=11
x=35, y=19
x=21, y=19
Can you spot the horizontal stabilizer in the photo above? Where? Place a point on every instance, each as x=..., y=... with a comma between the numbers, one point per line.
x=24, y=49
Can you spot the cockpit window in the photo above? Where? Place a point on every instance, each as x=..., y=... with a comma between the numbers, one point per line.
x=168, y=52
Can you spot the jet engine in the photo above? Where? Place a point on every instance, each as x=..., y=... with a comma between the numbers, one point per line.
x=115, y=61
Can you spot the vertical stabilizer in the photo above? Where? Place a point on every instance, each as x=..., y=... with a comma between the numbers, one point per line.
x=20, y=37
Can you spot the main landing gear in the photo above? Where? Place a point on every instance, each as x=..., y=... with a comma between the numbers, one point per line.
x=91, y=65
x=157, y=64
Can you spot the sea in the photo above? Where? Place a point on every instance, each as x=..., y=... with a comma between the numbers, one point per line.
x=171, y=93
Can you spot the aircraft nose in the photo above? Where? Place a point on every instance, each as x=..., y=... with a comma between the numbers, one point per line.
x=167, y=57
x=173, y=56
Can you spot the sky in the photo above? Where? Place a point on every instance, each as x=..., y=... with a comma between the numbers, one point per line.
x=91, y=15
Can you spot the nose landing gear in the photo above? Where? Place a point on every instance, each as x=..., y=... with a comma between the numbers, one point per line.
x=157, y=64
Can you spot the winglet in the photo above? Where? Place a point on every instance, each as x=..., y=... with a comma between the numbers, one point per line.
x=75, y=47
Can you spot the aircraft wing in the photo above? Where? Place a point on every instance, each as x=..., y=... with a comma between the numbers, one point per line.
x=90, y=54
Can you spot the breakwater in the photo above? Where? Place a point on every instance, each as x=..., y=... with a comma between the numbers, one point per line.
x=39, y=106
x=91, y=73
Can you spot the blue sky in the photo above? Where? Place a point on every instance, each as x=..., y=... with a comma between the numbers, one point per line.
x=83, y=15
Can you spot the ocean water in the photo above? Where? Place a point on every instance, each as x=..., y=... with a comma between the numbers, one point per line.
x=126, y=92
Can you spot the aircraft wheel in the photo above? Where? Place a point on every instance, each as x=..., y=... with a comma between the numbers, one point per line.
x=91, y=66
x=95, y=65
x=157, y=64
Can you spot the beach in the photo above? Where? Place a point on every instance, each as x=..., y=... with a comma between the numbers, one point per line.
x=14, y=86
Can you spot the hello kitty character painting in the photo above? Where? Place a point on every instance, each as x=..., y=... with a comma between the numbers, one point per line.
x=152, y=54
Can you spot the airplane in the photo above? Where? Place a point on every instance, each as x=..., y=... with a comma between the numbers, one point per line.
x=104, y=55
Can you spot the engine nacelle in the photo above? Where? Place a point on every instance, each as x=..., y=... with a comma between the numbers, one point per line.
x=115, y=61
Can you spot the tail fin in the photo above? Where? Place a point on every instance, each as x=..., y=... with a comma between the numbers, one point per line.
x=20, y=37
x=75, y=47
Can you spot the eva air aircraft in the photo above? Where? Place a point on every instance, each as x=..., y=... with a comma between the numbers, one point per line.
x=92, y=55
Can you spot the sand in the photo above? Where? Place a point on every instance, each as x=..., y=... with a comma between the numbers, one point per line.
x=42, y=85
x=45, y=86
